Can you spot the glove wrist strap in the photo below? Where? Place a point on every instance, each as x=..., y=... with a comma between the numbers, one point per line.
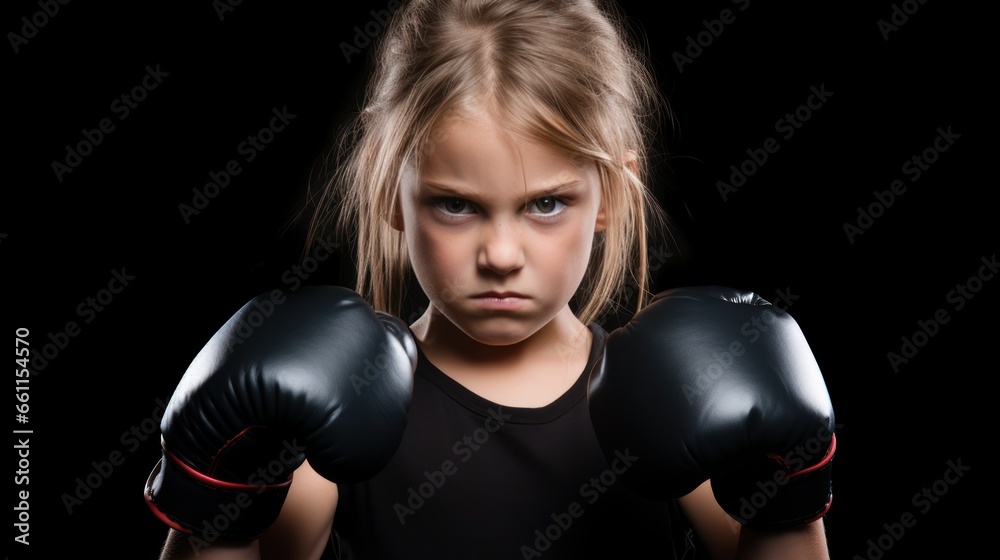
x=773, y=497
x=196, y=504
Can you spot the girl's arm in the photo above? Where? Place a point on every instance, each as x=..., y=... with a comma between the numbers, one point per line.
x=725, y=539
x=718, y=532
x=806, y=542
x=179, y=546
x=301, y=531
x=303, y=528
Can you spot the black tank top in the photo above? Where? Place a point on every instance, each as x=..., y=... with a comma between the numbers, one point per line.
x=476, y=480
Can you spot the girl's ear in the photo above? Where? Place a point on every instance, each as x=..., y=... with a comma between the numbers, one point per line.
x=395, y=216
x=601, y=223
x=396, y=220
x=632, y=164
x=632, y=161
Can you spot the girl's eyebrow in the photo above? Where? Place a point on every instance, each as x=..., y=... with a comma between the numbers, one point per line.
x=458, y=192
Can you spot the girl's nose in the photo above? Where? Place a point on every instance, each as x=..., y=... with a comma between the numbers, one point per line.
x=500, y=247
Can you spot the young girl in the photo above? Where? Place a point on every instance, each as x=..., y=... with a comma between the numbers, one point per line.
x=501, y=163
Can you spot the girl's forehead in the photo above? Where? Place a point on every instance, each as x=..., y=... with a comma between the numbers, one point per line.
x=467, y=140
x=479, y=158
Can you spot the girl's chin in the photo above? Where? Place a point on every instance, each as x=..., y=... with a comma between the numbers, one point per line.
x=499, y=330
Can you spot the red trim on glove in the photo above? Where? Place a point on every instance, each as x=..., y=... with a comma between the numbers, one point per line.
x=822, y=463
x=152, y=505
x=209, y=481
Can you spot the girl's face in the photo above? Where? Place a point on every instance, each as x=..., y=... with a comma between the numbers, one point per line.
x=499, y=229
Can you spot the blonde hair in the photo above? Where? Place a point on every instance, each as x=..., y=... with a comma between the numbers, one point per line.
x=555, y=71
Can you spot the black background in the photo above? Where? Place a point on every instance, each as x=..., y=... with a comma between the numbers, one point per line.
x=781, y=232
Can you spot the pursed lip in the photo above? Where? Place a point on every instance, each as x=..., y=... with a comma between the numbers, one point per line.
x=499, y=302
x=500, y=295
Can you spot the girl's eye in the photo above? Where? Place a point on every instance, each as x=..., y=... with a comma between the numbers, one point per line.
x=547, y=205
x=452, y=205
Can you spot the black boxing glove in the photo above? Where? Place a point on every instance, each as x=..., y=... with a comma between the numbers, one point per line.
x=319, y=375
x=714, y=383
